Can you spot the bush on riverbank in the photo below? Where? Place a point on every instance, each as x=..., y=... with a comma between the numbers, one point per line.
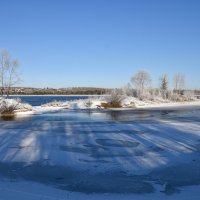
x=114, y=100
x=10, y=106
x=111, y=105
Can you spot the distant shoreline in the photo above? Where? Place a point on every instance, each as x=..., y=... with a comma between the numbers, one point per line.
x=62, y=95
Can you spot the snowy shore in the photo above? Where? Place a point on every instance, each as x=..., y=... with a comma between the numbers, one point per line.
x=149, y=105
x=128, y=103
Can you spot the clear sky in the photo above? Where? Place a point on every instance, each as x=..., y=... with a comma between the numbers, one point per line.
x=64, y=43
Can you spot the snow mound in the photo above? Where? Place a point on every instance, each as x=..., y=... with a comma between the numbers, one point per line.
x=127, y=102
x=90, y=103
x=13, y=106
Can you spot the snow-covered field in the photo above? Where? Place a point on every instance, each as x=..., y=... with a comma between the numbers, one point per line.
x=99, y=154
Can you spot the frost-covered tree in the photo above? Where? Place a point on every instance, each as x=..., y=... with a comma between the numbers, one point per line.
x=141, y=80
x=114, y=99
x=179, y=82
x=4, y=63
x=164, y=85
x=9, y=75
x=13, y=76
x=127, y=90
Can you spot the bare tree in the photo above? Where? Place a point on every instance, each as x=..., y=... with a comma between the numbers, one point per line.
x=4, y=63
x=8, y=72
x=164, y=85
x=114, y=100
x=141, y=80
x=179, y=82
x=128, y=90
x=13, y=76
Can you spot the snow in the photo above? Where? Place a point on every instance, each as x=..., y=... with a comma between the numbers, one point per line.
x=32, y=191
x=153, y=104
x=15, y=105
x=66, y=148
x=46, y=109
x=91, y=103
x=128, y=103
x=39, y=157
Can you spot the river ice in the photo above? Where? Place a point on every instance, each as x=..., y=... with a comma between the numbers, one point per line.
x=95, y=154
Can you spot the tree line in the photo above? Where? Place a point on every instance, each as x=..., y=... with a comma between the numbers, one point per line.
x=140, y=86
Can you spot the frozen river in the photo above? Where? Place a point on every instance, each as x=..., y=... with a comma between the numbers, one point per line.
x=96, y=152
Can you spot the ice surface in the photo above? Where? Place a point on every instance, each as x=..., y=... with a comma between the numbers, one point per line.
x=97, y=154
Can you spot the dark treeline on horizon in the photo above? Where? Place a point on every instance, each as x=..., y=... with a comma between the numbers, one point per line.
x=60, y=91
x=66, y=91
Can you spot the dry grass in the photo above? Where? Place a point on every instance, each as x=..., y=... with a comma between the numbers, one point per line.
x=111, y=105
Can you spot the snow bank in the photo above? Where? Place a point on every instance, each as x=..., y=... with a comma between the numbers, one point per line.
x=90, y=103
x=13, y=106
x=47, y=109
x=127, y=102
x=130, y=102
x=95, y=102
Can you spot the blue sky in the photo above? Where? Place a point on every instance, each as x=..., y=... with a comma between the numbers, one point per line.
x=64, y=43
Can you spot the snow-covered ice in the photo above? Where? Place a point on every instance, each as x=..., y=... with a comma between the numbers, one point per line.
x=95, y=154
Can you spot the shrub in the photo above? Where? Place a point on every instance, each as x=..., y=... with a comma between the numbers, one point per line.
x=9, y=106
x=189, y=95
x=88, y=103
x=114, y=100
x=111, y=105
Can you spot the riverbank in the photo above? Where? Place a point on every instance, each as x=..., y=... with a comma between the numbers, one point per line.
x=90, y=102
x=149, y=106
x=129, y=103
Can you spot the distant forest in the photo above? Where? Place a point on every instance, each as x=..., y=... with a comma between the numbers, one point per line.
x=61, y=91
x=66, y=91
